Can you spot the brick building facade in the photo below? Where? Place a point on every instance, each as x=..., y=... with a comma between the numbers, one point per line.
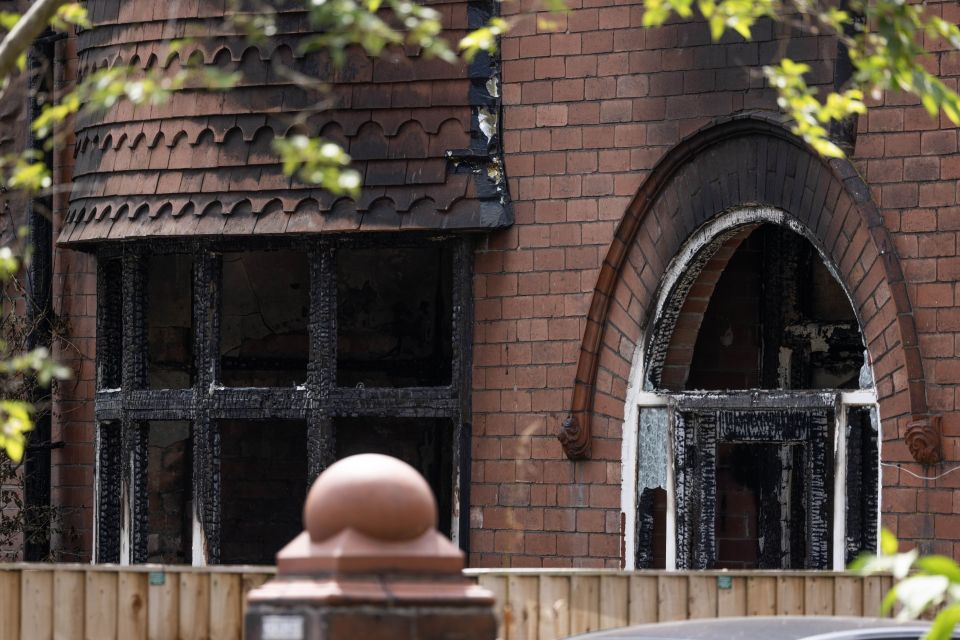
x=630, y=250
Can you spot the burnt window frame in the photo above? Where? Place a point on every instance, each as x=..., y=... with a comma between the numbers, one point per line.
x=839, y=403
x=123, y=413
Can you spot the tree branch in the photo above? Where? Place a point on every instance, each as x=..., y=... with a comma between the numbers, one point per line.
x=31, y=25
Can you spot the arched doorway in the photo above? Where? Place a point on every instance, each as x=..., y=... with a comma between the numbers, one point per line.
x=755, y=409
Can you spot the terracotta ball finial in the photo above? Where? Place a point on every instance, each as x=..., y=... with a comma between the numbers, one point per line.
x=379, y=496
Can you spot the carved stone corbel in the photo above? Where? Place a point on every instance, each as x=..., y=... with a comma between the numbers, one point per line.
x=574, y=439
x=923, y=439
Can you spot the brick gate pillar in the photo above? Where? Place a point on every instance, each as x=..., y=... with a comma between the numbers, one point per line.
x=371, y=564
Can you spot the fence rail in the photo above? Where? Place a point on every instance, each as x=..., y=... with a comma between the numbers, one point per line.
x=86, y=602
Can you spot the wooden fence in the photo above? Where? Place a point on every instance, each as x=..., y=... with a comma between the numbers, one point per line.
x=86, y=602
x=543, y=605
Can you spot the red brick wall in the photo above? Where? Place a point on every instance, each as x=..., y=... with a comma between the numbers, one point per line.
x=912, y=166
x=592, y=103
x=74, y=303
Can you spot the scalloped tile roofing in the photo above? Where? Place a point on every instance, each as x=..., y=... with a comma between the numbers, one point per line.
x=202, y=162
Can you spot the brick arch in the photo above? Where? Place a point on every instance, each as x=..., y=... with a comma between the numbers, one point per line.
x=747, y=160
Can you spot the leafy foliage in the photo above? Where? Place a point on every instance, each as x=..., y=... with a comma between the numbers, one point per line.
x=924, y=584
x=885, y=40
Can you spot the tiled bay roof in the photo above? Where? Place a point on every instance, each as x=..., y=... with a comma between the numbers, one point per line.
x=202, y=164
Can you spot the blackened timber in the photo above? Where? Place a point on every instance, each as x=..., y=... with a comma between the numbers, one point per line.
x=134, y=371
x=109, y=486
x=321, y=445
x=207, y=270
x=243, y=402
x=645, y=529
x=819, y=482
x=206, y=485
x=756, y=399
x=323, y=319
x=136, y=436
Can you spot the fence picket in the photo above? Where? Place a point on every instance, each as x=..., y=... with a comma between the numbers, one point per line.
x=848, y=596
x=702, y=597
x=643, y=599
x=225, y=606
x=36, y=604
x=789, y=596
x=163, y=606
x=194, y=606
x=761, y=596
x=68, y=605
x=9, y=604
x=732, y=601
x=554, y=607
x=614, y=601
x=524, y=594
x=873, y=593
x=131, y=605
x=672, y=598
x=100, y=611
x=497, y=585
x=818, y=596
x=584, y=603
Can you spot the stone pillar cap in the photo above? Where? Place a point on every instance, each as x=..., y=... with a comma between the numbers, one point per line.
x=370, y=513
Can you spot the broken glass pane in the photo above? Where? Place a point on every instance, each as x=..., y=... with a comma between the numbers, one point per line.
x=652, y=448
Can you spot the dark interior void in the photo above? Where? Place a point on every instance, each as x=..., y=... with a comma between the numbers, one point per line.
x=424, y=443
x=263, y=329
x=394, y=316
x=169, y=291
x=777, y=319
x=760, y=514
x=169, y=492
x=263, y=485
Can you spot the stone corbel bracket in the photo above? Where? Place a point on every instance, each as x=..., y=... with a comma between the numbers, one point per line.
x=923, y=439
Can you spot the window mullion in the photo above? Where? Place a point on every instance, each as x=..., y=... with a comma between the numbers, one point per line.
x=322, y=376
x=134, y=328
x=206, y=323
x=321, y=444
x=207, y=306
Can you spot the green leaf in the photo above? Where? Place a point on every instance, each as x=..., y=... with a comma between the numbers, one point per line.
x=939, y=565
x=944, y=624
x=888, y=542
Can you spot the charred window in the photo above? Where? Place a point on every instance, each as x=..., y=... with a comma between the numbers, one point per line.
x=230, y=375
x=762, y=389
